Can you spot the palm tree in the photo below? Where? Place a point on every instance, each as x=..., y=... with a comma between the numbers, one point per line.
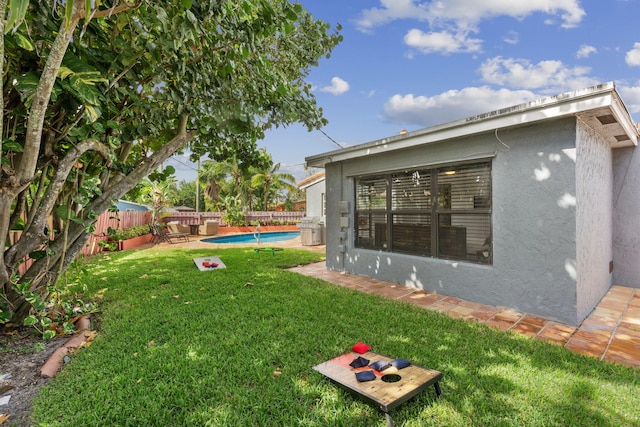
x=227, y=178
x=213, y=175
x=270, y=181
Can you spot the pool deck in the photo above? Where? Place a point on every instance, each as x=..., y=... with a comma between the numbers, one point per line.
x=610, y=333
x=197, y=242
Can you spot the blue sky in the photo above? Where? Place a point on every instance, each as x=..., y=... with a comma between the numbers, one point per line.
x=410, y=64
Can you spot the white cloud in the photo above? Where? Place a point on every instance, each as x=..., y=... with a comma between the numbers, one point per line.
x=585, y=51
x=443, y=42
x=511, y=38
x=553, y=75
x=473, y=11
x=451, y=105
x=391, y=10
x=631, y=97
x=466, y=14
x=338, y=86
x=633, y=56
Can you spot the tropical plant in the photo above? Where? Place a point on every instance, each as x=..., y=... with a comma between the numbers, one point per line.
x=270, y=182
x=158, y=194
x=212, y=176
x=233, y=214
x=98, y=94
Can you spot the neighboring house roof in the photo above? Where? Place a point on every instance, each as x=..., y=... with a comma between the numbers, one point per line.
x=125, y=205
x=184, y=209
x=599, y=106
x=311, y=180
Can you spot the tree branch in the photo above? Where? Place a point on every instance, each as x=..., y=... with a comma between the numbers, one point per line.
x=33, y=234
x=77, y=232
x=106, y=13
x=37, y=112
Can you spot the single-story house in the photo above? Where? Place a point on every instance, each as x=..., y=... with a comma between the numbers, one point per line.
x=315, y=189
x=533, y=207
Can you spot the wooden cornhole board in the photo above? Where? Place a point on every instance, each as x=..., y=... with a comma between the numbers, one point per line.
x=209, y=259
x=386, y=395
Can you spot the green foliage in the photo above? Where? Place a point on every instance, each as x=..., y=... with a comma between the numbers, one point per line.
x=159, y=194
x=259, y=186
x=108, y=245
x=5, y=312
x=129, y=233
x=59, y=303
x=233, y=214
x=114, y=236
x=186, y=195
x=98, y=99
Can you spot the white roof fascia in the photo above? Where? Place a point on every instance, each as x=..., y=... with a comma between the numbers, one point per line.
x=315, y=181
x=567, y=104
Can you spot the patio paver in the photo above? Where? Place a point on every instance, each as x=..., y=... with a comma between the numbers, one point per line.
x=611, y=332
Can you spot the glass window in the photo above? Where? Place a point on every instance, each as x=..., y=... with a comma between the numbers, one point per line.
x=442, y=212
x=371, y=207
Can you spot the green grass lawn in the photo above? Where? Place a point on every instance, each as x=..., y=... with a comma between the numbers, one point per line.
x=180, y=347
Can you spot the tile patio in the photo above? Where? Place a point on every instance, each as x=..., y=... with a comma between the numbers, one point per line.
x=611, y=332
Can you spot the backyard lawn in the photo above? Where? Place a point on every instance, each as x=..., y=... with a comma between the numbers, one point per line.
x=236, y=347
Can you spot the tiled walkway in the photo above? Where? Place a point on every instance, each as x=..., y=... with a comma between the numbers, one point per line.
x=611, y=332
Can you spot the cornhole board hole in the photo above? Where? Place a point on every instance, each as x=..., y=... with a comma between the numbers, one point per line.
x=208, y=263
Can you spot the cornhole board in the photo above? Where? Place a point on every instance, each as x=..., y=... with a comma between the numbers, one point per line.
x=386, y=396
x=210, y=259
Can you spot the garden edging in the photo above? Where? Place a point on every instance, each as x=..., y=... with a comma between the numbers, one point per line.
x=56, y=360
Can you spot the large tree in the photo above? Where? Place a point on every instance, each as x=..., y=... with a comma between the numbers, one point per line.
x=97, y=94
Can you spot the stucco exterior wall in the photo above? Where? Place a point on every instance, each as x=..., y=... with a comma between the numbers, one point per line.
x=534, y=223
x=626, y=217
x=594, y=226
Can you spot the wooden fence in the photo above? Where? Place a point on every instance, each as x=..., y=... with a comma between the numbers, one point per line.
x=106, y=220
x=265, y=217
x=119, y=220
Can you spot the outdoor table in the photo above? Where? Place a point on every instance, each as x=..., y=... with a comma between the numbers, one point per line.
x=193, y=228
x=386, y=395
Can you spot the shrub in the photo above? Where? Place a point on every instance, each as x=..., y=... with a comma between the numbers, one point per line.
x=129, y=233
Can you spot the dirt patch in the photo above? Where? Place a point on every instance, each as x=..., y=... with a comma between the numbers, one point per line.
x=22, y=354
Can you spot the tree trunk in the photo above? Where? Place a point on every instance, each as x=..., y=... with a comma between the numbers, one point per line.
x=46, y=271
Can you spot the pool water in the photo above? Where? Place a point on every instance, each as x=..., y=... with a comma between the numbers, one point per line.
x=265, y=237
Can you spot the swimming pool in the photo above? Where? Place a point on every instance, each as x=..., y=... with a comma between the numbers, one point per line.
x=269, y=236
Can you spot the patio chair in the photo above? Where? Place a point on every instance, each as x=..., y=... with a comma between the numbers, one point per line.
x=209, y=228
x=157, y=235
x=161, y=236
x=176, y=227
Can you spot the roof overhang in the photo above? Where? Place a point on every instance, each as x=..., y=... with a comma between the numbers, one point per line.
x=600, y=107
x=311, y=180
